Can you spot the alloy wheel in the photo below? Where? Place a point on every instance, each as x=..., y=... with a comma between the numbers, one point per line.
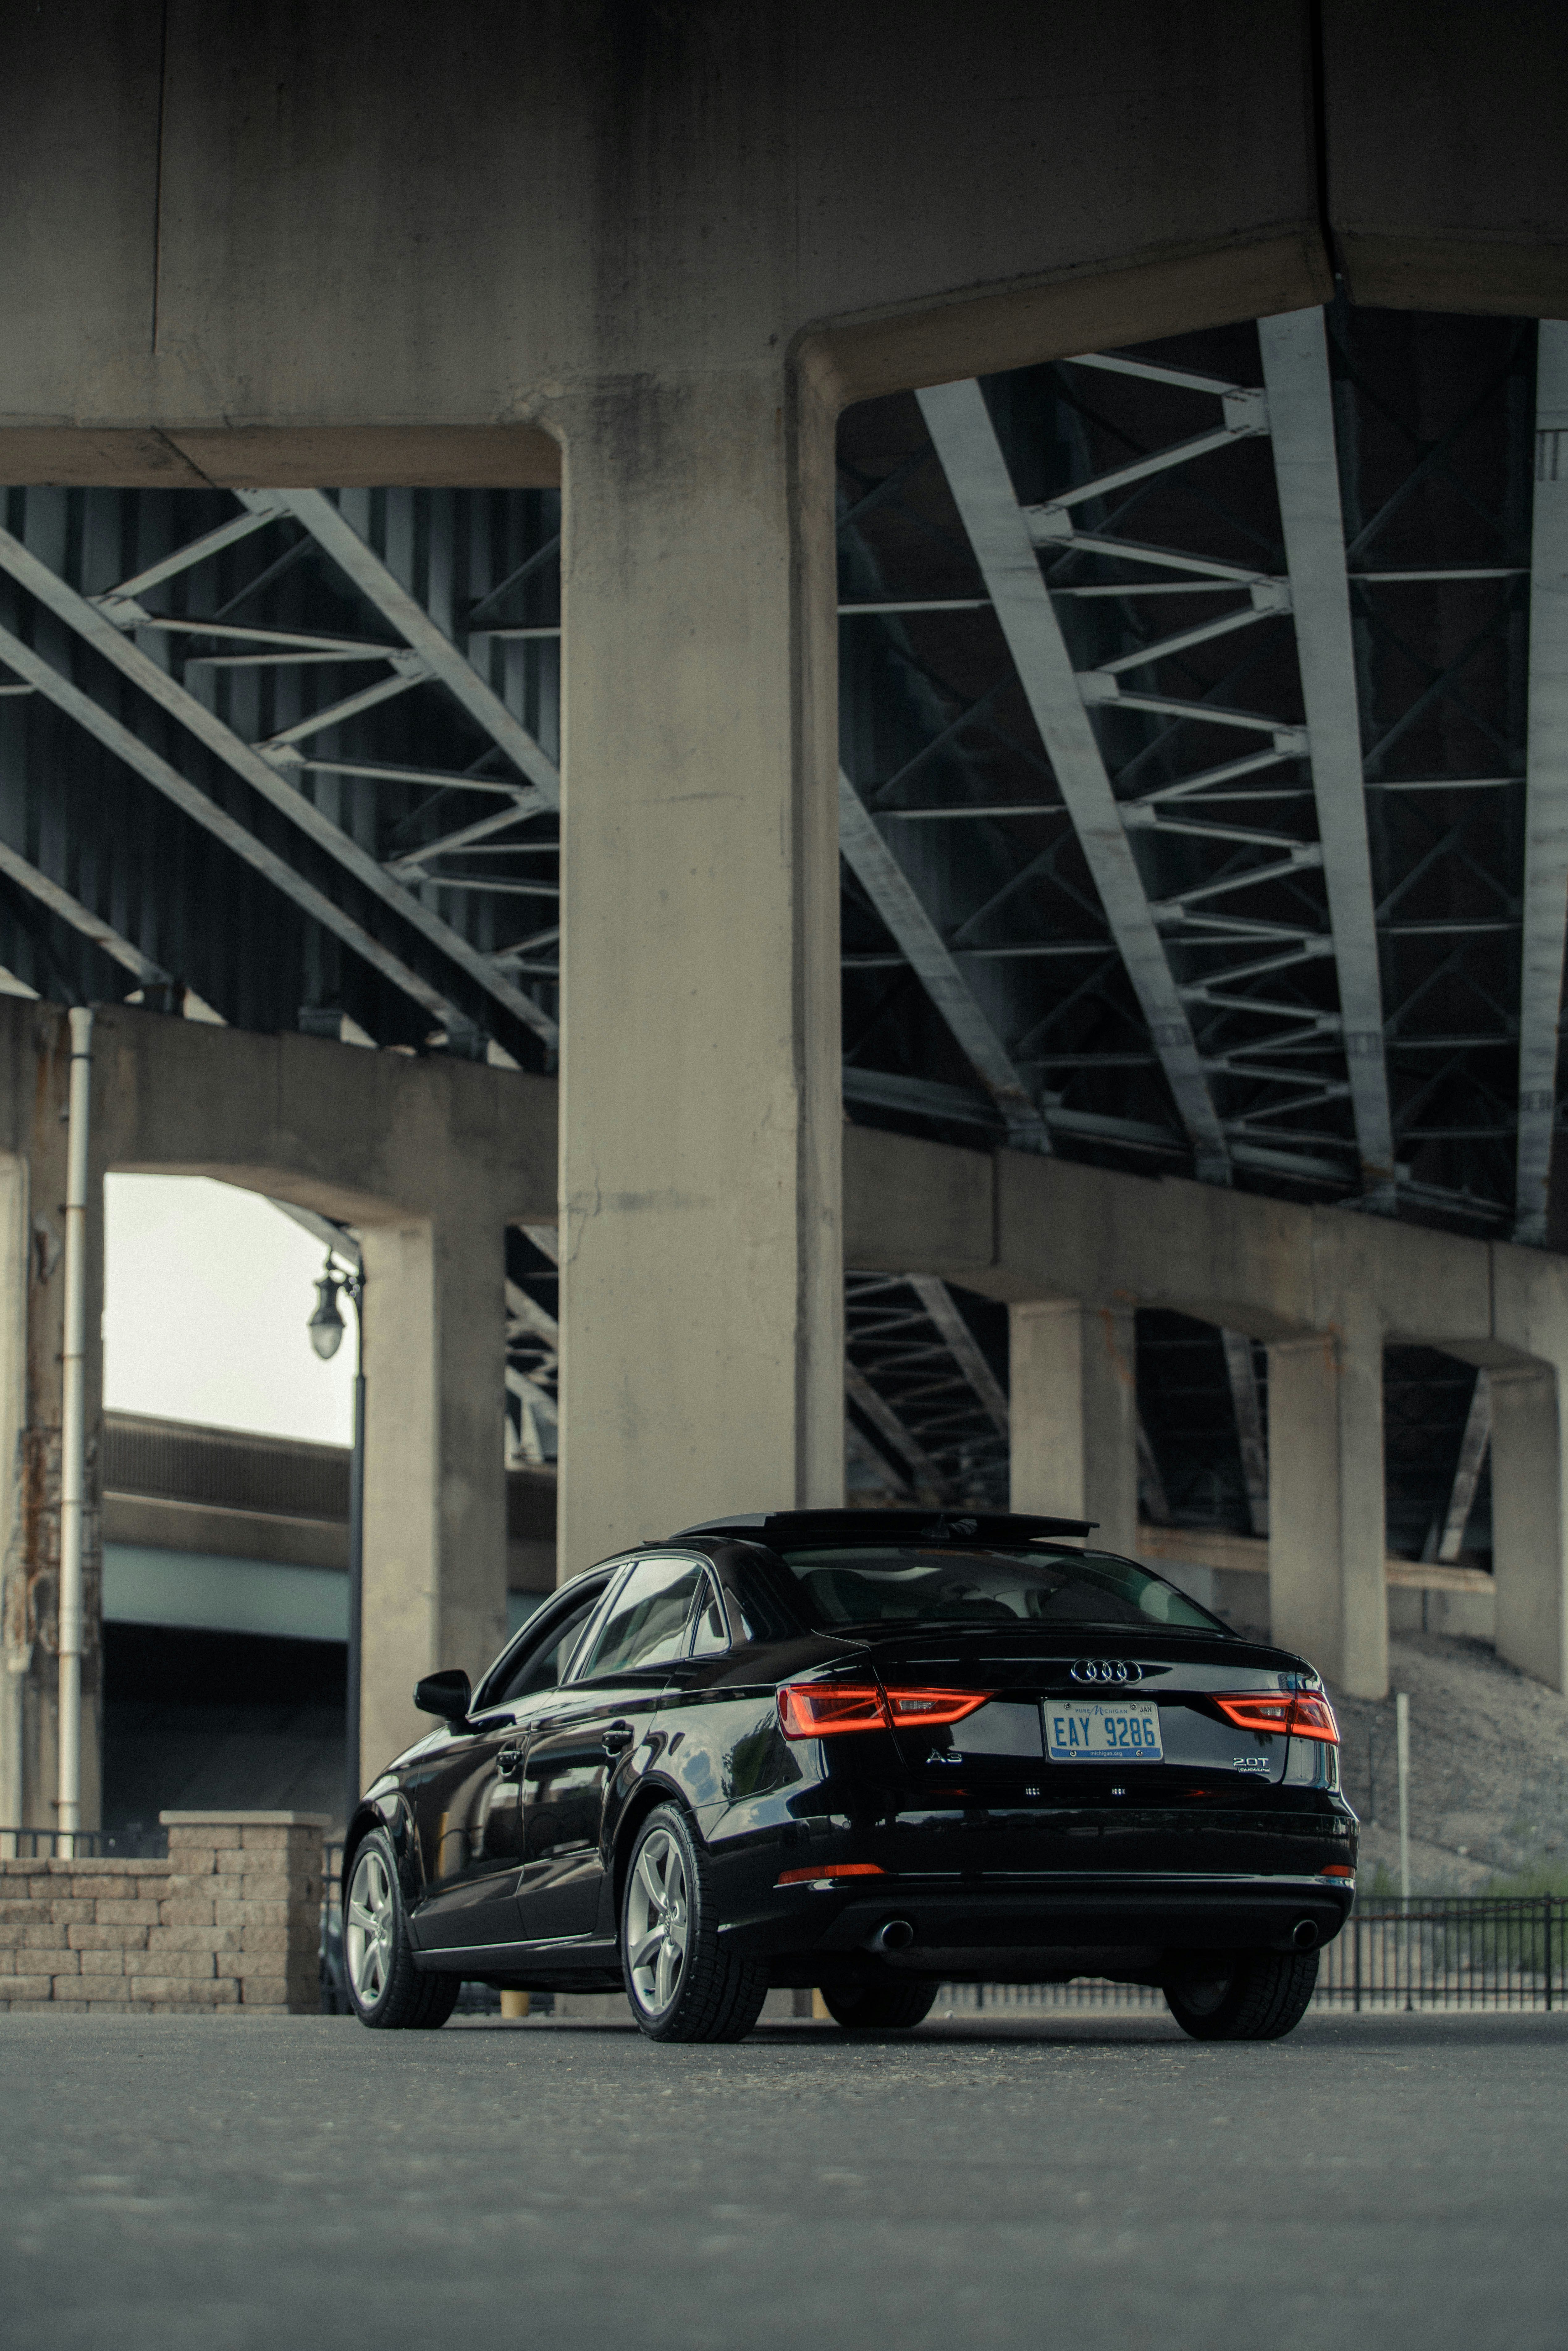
x=658, y=1921
x=368, y=1928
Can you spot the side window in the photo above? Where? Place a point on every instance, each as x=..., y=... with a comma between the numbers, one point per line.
x=542, y=1667
x=711, y=1636
x=647, y=1625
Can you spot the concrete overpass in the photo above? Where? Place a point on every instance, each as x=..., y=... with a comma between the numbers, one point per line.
x=653, y=257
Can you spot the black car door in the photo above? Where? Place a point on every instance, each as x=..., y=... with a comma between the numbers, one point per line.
x=593, y=1728
x=468, y=1803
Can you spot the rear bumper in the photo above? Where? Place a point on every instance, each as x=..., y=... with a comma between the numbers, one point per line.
x=1022, y=1934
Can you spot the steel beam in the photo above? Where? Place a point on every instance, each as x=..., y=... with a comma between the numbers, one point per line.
x=962, y=1344
x=999, y=534
x=1306, y=469
x=96, y=628
x=1242, y=1372
x=70, y=910
x=898, y=904
x=1546, y=789
x=195, y=804
x=887, y=1424
x=1473, y=1446
x=435, y=649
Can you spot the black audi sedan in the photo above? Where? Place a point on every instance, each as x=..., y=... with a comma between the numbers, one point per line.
x=871, y=1751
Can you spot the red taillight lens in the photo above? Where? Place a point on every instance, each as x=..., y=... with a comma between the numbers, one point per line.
x=924, y=1705
x=1312, y=1717
x=831, y=1869
x=818, y=1710
x=1293, y=1714
x=1336, y=1869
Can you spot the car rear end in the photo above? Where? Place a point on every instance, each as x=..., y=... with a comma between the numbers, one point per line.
x=991, y=1796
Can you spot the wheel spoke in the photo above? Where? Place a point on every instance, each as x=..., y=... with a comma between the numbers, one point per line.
x=648, y=1880
x=651, y=1942
x=664, y=1976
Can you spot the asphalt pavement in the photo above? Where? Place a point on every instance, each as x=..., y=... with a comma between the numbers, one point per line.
x=1090, y=2183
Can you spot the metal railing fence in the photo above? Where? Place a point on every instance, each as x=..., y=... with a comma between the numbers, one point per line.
x=84, y=1845
x=1453, y=1953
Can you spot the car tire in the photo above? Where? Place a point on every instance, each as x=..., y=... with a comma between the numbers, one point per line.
x=878, y=2008
x=1258, y=1996
x=385, y=1988
x=681, y=1982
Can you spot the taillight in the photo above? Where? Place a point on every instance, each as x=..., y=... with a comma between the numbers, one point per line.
x=1287, y=1714
x=831, y=1869
x=1336, y=1869
x=817, y=1709
x=935, y=1705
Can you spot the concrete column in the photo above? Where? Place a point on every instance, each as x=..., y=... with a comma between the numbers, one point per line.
x=1074, y=1414
x=702, y=1365
x=16, y=1639
x=1327, y=1540
x=435, y=1488
x=1528, y=1520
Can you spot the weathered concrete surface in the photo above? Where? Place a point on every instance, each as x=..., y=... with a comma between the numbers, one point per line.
x=210, y=202
x=702, y=1297
x=1100, y=2182
x=430, y=1159
x=1073, y=1411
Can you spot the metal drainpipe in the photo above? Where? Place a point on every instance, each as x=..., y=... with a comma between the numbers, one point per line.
x=73, y=1433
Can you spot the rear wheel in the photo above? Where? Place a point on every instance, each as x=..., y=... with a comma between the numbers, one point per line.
x=878, y=2008
x=385, y=1988
x=682, y=1983
x=1250, y=1996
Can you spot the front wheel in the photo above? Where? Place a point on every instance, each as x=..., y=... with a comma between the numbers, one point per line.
x=385, y=1988
x=1250, y=1996
x=878, y=2008
x=683, y=1985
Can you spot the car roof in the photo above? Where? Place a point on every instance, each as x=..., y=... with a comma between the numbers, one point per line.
x=812, y=1530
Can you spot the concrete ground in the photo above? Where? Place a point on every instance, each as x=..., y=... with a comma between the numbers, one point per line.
x=220, y=2184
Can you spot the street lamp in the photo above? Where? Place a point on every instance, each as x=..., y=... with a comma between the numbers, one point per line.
x=325, y=1328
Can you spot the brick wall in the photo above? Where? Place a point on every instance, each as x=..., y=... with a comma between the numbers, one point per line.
x=231, y=1920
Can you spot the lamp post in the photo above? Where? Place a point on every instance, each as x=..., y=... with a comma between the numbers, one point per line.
x=325, y=1328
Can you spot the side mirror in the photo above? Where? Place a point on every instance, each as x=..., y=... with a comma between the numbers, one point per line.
x=448, y=1694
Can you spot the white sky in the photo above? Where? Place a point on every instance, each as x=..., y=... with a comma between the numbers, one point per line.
x=207, y=1292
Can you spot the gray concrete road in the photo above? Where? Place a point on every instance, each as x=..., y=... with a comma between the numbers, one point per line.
x=1092, y=2184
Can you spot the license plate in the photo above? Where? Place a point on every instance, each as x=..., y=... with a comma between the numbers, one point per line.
x=1094, y=1730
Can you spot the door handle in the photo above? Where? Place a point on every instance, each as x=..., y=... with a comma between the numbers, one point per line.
x=616, y=1737
x=509, y=1762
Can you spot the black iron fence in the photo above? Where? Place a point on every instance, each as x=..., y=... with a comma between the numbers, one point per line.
x=1493, y=1952
x=84, y=1845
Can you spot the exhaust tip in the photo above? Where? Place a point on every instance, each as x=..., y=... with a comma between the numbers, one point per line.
x=1304, y=1935
x=894, y=1935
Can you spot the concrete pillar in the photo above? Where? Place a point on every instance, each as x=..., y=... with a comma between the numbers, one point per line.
x=1528, y=1455
x=1327, y=1540
x=1074, y=1413
x=15, y=1640
x=702, y=1365
x=435, y=1488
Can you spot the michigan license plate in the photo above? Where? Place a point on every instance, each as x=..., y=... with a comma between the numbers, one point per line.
x=1122, y=1731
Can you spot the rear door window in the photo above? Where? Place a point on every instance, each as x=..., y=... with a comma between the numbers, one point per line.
x=647, y=1621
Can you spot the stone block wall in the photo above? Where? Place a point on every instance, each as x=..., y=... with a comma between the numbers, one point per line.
x=230, y=1921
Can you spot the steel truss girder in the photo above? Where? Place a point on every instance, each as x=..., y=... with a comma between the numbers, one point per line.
x=902, y=910
x=1004, y=547
x=98, y=629
x=1306, y=468
x=59, y=901
x=195, y=803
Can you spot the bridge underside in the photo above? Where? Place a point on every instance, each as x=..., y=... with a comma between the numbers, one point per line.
x=1052, y=650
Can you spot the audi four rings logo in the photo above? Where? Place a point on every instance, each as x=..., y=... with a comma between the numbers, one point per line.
x=1106, y=1669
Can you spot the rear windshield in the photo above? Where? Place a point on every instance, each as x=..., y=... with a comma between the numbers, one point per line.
x=948, y=1585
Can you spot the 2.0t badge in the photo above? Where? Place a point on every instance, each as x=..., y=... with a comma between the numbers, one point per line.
x=1106, y=1669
